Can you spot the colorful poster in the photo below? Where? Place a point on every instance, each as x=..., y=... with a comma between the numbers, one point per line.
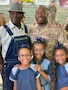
x=27, y=1
x=4, y=2
x=42, y=2
x=63, y=3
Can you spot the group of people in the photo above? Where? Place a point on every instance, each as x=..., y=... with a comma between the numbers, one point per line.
x=29, y=53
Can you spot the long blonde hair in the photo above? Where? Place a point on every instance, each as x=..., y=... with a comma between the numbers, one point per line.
x=2, y=20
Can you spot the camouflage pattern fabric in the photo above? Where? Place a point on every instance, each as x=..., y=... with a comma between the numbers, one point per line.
x=52, y=13
x=65, y=43
x=52, y=32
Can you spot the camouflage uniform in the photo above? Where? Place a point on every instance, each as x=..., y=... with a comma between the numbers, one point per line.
x=52, y=13
x=66, y=27
x=52, y=32
x=65, y=43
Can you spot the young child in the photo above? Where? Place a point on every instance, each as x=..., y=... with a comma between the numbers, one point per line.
x=60, y=55
x=43, y=65
x=24, y=76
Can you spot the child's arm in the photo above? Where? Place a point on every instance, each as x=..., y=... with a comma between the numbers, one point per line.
x=14, y=87
x=37, y=76
x=64, y=88
x=43, y=74
x=38, y=85
x=13, y=77
x=48, y=77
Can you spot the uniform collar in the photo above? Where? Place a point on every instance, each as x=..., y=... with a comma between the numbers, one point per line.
x=38, y=62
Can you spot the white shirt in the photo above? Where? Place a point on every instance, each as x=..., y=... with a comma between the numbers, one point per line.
x=5, y=38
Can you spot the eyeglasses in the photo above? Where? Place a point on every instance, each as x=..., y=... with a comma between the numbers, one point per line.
x=25, y=55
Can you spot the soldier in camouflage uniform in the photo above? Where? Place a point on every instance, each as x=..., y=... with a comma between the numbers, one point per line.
x=51, y=31
x=66, y=34
x=65, y=43
x=52, y=11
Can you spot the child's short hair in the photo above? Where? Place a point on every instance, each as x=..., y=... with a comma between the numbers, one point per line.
x=25, y=46
x=63, y=48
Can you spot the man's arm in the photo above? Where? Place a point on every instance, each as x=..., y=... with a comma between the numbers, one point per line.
x=63, y=37
x=42, y=73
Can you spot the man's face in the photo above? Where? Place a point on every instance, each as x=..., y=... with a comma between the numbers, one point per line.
x=53, y=3
x=15, y=17
x=40, y=15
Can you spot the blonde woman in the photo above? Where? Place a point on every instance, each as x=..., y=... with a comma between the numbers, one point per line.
x=2, y=20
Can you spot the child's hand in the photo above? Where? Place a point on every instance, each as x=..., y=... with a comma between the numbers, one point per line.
x=17, y=65
x=37, y=67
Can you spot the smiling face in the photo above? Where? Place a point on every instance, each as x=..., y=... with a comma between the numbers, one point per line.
x=60, y=56
x=38, y=50
x=24, y=56
x=40, y=15
x=15, y=17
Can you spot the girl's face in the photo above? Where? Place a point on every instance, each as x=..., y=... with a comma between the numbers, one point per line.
x=60, y=56
x=24, y=56
x=38, y=50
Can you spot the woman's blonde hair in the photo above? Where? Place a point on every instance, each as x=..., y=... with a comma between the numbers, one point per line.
x=2, y=20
